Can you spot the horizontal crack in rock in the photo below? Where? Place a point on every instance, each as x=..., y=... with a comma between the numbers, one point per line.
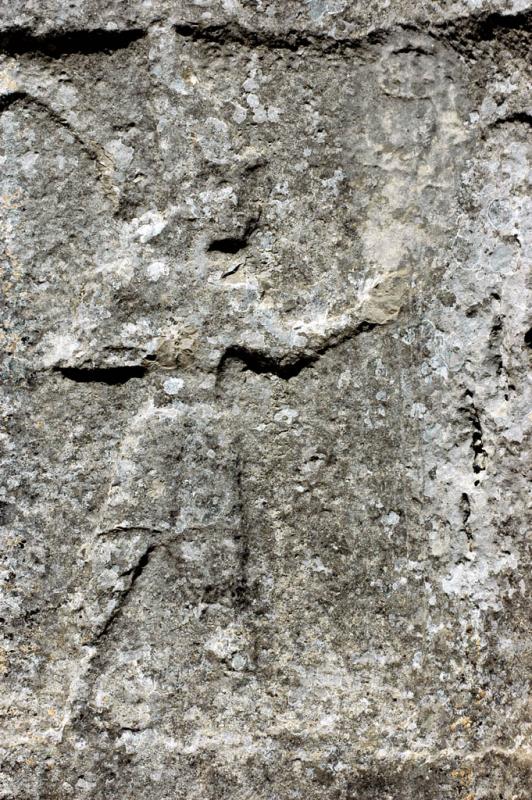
x=289, y=40
x=261, y=363
x=481, y=27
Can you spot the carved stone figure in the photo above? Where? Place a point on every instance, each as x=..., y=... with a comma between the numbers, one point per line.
x=264, y=357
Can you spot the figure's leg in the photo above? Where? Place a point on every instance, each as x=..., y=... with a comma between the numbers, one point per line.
x=169, y=538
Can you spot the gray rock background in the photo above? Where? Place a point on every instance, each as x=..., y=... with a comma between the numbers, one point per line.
x=264, y=399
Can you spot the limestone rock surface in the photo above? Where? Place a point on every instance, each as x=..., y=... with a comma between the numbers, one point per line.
x=264, y=399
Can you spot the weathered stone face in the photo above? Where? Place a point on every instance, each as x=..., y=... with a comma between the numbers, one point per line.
x=265, y=348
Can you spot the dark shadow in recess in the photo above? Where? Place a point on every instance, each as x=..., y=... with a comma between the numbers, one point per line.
x=230, y=245
x=234, y=244
x=491, y=24
x=18, y=41
x=522, y=117
x=261, y=363
x=112, y=376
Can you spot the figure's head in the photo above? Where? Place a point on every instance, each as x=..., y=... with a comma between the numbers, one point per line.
x=250, y=210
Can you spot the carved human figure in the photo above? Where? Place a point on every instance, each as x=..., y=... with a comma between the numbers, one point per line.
x=174, y=504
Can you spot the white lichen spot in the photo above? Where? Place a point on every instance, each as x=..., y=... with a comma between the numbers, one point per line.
x=179, y=86
x=391, y=520
x=28, y=163
x=239, y=114
x=332, y=183
x=478, y=580
x=417, y=410
x=252, y=100
x=286, y=415
x=121, y=154
x=156, y=270
x=191, y=551
x=223, y=643
x=148, y=226
x=119, y=271
x=61, y=349
x=344, y=380
x=173, y=386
